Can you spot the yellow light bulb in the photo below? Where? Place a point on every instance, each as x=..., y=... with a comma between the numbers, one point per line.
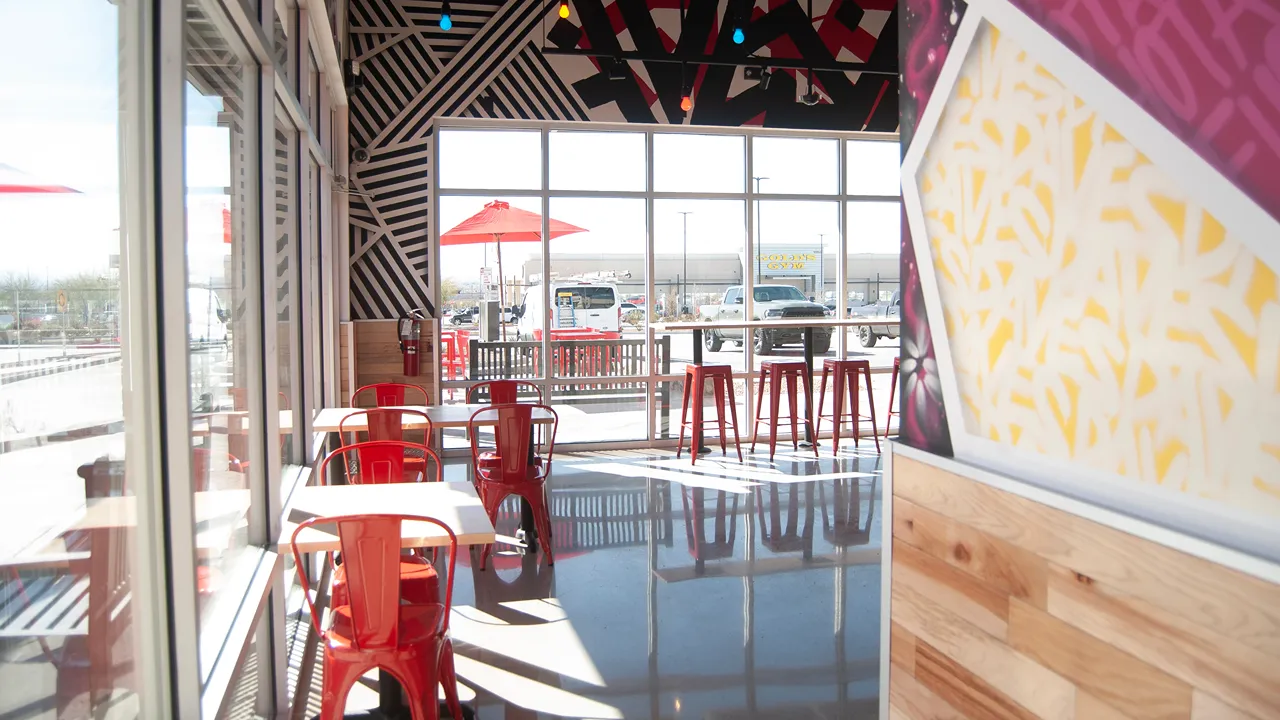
x=564, y=10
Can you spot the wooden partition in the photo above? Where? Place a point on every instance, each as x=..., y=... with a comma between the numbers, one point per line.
x=377, y=356
x=1004, y=607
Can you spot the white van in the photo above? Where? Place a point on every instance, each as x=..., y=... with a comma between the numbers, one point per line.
x=206, y=318
x=574, y=305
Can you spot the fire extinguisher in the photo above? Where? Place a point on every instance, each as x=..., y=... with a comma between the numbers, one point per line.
x=410, y=341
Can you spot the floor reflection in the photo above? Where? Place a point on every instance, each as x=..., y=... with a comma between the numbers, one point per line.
x=768, y=609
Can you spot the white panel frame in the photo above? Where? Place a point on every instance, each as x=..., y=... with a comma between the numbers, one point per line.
x=1242, y=217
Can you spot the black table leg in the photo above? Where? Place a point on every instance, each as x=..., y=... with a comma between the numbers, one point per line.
x=529, y=528
x=808, y=379
x=390, y=703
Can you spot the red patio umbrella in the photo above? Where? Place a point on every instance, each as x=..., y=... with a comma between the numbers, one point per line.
x=499, y=222
x=13, y=180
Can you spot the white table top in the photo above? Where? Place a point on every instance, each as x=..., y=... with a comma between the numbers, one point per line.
x=442, y=416
x=454, y=504
x=804, y=323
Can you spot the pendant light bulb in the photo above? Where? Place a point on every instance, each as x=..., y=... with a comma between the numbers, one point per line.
x=686, y=102
x=446, y=17
x=564, y=9
x=738, y=36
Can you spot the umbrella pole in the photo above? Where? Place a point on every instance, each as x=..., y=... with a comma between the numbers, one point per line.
x=502, y=290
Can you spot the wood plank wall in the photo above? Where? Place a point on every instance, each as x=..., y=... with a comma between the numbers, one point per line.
x=378, y=359
x=1005, y=608
x=346, y=371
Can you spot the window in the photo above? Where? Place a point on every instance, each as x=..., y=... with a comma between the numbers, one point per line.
x=772, y=293
x=505, y=159
x=315, y=392
x=311, y=93
x=70, y=329
x=796, y=165
x=223, y=255
x=575, y=160
x=699, y=163
x=872, y=167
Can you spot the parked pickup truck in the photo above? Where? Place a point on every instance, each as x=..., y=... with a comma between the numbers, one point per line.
x=868, y=334
x=772, y=302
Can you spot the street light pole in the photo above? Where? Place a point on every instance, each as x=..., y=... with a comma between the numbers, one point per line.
x=685, y=256
x=758, y=178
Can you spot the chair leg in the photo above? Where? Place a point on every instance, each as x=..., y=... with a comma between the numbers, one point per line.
x=717, y=386
x=795, y=415
x=684, y=414
x=698, y=441
x=336, y=683
x=775, y=397
x=807, y=377
x=449, y=679
x=871, y=407
x=822, y=397
x=837, y=410
x=852, y=382
x=733, y=413
x=542, y=519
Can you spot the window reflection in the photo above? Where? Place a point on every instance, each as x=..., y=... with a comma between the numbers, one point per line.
x=221, y=158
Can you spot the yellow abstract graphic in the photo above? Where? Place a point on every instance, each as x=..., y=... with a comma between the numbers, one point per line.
x=1094, y=311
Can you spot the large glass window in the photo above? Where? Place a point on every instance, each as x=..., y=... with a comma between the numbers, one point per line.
x=315, y=398
x=483, y=159
x=699, y=163
x=70, y=113
x=223, y=294
x=796, y=166
x=872, y=168
x=575, y=160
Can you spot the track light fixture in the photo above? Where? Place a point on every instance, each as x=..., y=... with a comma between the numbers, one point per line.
x=739, y=23
x=564, y=9
x=446, y=16
x=618, y=69
x=811, y=97
x=765, y=76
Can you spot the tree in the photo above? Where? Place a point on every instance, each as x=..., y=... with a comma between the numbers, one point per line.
x=449, y=290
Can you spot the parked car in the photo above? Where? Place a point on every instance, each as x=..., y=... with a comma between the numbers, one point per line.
x=772, y=302
x=465, y=316
x=891, y=308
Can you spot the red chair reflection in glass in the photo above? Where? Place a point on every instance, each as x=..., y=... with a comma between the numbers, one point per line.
x=202, y=464
x=381, y=462
x=845, y=528
x=238, y=435
x=520, y=468
x=375, y=628
x=81, y=597
x=391, y=394
x=720, y=545
x=388, y=424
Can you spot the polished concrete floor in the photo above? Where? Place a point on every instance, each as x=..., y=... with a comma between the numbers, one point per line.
x=722, y=591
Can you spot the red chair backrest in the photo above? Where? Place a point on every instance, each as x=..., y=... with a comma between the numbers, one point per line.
x=384, y=423
x=389, y=394
x=512, y=430
x=371, y=557
x=381, y=462
x=503, y=392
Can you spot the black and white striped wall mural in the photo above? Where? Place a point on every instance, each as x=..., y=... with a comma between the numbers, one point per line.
x=519, y=60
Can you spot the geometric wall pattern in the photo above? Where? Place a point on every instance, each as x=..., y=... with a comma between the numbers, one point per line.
x=1096, y=313
x=491, y=64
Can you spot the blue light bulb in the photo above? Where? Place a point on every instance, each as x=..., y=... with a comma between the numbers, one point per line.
x=446, y=23
x=738, y=36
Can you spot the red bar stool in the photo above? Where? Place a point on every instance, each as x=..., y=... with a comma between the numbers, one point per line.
x=893, y=387
x=846, y=376
x=776, y=371
x=721, y=377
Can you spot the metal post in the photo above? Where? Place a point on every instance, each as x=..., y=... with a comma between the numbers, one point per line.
x=822, y=269
x=684, y=219
x=758, y=178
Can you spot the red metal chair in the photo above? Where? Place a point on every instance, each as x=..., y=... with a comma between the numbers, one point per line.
x=376, y=629
x=380, y=462
x=776, y=372
x=695, y=378
x=515, y=472
x=388, y=424
x=390, y=394
x=847, y=374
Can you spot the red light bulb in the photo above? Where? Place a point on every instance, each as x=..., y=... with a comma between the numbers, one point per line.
x=686, y=103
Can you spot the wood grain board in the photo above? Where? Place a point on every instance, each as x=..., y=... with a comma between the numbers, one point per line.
x=1002, y=607
x=378, y=358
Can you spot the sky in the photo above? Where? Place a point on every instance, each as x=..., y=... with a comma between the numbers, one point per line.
x=511, y=160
